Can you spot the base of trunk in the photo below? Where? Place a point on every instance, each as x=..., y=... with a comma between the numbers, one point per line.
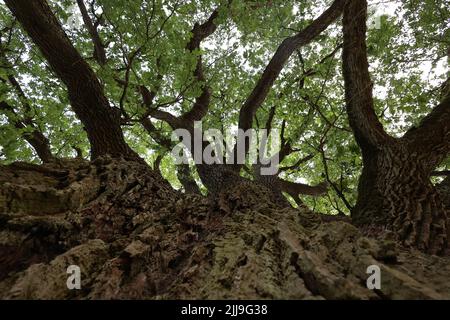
x=396, y=195
x=133, y=237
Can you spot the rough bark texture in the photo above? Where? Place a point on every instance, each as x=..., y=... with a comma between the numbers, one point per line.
x=218, y=177
x=444, y=192
x=395, y=191
x=278, y=185
x=99, y=47
x=187, y=180
x=133, y=236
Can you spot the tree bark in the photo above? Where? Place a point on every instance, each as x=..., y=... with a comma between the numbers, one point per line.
x=35, y=138
x=444, y=192
x=187, y=180
x=217, y=177
x=395, y=192
x=99, y=48
x=280, y=58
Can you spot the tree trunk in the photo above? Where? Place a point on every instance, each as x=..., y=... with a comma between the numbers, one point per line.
x=187, y=180
x=444, y=192
x=395, y=194
x=133, y=236
x=218, y=177
x=85, y=92
x=395, y=191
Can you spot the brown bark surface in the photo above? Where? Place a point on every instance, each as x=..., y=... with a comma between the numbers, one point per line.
x=133, y=236
x=395, y=192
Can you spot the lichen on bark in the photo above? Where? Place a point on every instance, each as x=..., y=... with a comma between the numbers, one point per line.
x=134, y=237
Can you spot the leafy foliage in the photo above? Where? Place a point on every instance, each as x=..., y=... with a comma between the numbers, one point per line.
x=145, y=42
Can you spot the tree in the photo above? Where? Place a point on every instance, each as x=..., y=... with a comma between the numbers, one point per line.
x=85, y=92
x=117, y=78
x=218, y=177
x=395, y=191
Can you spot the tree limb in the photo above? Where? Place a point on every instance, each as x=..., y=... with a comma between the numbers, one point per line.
x=84, y=89
x=187, y=180
x=199, y=33
x=186, y=121
x=445, y=173
x=281, y=56
x=367, y=128
x=99, y=48
x=156, y=134
x=295, y=188
x=432, y=137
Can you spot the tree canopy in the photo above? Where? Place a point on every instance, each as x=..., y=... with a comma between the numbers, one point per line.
x=97, y=96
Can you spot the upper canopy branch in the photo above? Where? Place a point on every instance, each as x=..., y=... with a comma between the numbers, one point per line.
x=99, y=48
x=432, y=137
x=199, y=33
x=358, y=85
x=23, y=121
x=281, y=56
x=200, y=107
x=31, y=133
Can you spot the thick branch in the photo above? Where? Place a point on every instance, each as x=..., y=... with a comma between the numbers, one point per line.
x=32, y=134
x=156, y=134
x=358, y=85
x=445, y=173
x=99, y=49
x=85, y=91
x=147, y=95
x=432, y=137
x=268, y=127
x=295, y=188
x=172, y=120
x=186, y=179
x=186, y=121
x=281, y=56
x=199, y=33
